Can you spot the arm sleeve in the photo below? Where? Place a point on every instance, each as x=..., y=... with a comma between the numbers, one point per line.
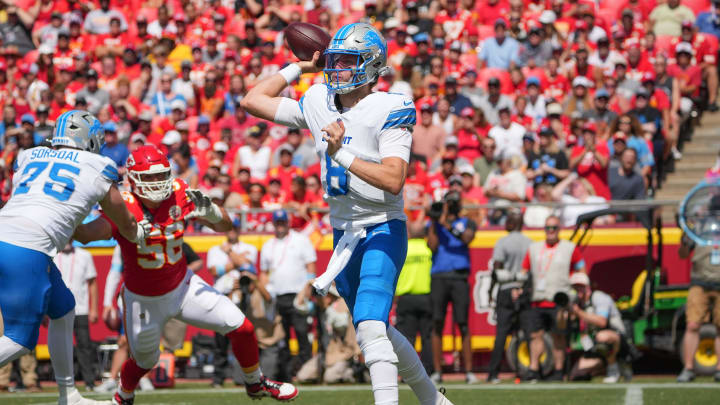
x=113, y=278
x=603, y=307
x=396, y=142
x=189, y=253
x=290, y=113
x=308, y=251
x=498, y=254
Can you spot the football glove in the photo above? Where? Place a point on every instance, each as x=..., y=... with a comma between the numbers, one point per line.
x=204, y=207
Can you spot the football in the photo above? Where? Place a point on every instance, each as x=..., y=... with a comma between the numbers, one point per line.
x=305, y=38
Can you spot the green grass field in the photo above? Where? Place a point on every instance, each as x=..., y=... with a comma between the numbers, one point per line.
x=644, y=391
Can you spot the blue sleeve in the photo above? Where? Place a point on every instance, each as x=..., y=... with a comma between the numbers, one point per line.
x=110, y=172
x=483, y=51
x=515, y=52
x=401, y=118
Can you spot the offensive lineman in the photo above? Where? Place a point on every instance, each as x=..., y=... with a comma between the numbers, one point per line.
x=54, y=189
x=158, y=284
x=364, y=141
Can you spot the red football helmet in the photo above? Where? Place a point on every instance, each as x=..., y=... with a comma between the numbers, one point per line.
x=149, y=173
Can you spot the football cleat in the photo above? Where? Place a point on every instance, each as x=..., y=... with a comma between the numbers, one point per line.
x=274, y=389
x=118, y=400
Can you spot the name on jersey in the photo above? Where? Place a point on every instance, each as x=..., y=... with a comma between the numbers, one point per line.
x=62, y=154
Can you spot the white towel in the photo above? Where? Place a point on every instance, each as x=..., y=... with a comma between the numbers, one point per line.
x=339, y=259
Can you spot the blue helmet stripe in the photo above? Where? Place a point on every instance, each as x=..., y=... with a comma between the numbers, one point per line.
x=58, y=125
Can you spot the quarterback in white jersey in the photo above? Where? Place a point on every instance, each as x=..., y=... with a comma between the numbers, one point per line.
x=364, y=140
x=54, y=189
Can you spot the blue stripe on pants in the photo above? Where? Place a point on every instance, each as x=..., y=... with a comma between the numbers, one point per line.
x=368, y=281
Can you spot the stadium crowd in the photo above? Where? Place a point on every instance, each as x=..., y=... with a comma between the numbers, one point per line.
x=575, y=102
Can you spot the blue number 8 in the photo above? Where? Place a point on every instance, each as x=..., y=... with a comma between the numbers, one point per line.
x=68, y=184
x=335, y=178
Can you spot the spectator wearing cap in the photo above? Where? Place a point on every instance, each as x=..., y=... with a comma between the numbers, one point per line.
x=535, y=51
x=287, y=261
x=689, y=76
x=486, y=163
x=450, y=152
x=472, y=194
x=468, y=138
x=500, y=51
x=210, y=96
x=159, y=68
x=301, y=202
x=650, y=118
x=590, y=161
x=183, y=167
x=604, y=57
x=629, y=125
x=183, y=85
x=428, y=138
x=506, y=184
x=254, y=154
x=439, y=183
x=579, y=100
x=493, y=102
x=507, y=134
x=95, y=97
x=47, y=35
x=442, y=116
x=535, y=107
x=43, y=125
x=235, y=92
x=548, y=164
x=59, y=104
x=113, y=149
x=666, y=18
x=422, y=60
x=162, y=100
x=98, y=21
x=600, y=113
x=660, y=100
x=285, y=170
x=15, y=31
x=27, y=121
x=625, y=183
x=557, y=85
x=136, y=140
x=578, y=197
x=705, y=52
x=301, y=147
x=256, y=221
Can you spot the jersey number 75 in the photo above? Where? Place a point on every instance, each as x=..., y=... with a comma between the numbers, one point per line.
x=34, y=169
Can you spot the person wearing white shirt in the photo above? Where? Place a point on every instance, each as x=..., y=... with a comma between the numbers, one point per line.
x=288, y=262
x=78, y=272
x=253, y=155
x=507, y=134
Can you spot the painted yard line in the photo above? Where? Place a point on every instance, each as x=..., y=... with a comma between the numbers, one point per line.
x=450, y=387
x=634, y=396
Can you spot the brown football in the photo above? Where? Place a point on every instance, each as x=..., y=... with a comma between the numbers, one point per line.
x=305, y=38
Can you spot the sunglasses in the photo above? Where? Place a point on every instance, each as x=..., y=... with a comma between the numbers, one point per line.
x=552, y=228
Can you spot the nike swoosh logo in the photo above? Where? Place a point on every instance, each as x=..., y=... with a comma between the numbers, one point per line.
x=407, y=103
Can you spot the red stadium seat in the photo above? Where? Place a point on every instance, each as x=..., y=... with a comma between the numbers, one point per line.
x=697, y=6
x=485, y=31
x=664, y=42
x=504, y=76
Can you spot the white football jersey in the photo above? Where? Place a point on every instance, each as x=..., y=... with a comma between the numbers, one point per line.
x=378, y=126
x=53, y=191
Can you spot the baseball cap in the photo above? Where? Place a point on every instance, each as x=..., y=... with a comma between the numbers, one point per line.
x=215, y=193
x=554, y=109
x=494, y=81
x=589, y=127
x=627, y=12
x=138, y=137
x=221, y=146
x=426, y=107
x=582, y=81
x=547, y=17
x=46, y=49
x=532, y=81
x=602, y=93
x=684, y=47
x=451, y=80
x=455, y=178
x=43, y=109
x=546, y=131
x=579, y=278
x=203, y=120
x=280, y=215
x=182, y=126
x=254, y=131
x=642, y=92
x=178, y=104
x=27, y=118
x=529, y=136
x=145, y=116
x=217, y=163
x=456, y=46
x=687, y=24
x=91, y=73
x=648, y=77
x=451, y=140
x=186, y=64
x=171, y=137
x=467, y=112
x=285, y=148
x=109, y=127
x=439, y=43
x=619, y=136
x=467, y=170
x=500, y=21
x=581, y=25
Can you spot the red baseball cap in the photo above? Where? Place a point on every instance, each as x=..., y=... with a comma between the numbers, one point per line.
x=581, y=25
x=467, y=112
x=619, y=136
x=590, y=127
x=648, y=77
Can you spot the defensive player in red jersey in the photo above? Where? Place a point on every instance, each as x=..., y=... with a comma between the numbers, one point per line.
x=158, y=285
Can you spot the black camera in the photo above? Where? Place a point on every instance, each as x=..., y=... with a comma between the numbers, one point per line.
x=565, y=299
x=244, y=281
x=436, y=210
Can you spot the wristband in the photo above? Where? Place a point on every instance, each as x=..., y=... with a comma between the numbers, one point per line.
x=344, y=158
x=291, y=72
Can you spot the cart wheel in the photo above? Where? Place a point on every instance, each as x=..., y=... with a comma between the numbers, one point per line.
x=518, y=355
x=705, y=359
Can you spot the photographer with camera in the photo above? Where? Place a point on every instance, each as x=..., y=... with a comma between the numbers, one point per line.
x=512, y=295
x=549, y=263
x=231, y=256
x=249, y=293
x=287, y=261
x=448, y=238
x=603, y=340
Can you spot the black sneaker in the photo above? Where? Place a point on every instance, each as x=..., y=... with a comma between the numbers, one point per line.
x=118, y=400
x=557, y=375
x=531, y=376
x=712, y=107
x=716, y=377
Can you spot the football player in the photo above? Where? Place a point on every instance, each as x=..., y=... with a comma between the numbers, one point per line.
x=364, y=139
x=158, y=284
x=54, y=189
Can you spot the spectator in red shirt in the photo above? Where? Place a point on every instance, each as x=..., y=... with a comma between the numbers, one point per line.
x=275, y=197
x=472, y=194
x=301, y=202
x=706, y=58
x=59, y=104
x=256, y=221
x=468, y=139
x=438, y=184
x=285, y=171
x=689, y=76
x=591, y=160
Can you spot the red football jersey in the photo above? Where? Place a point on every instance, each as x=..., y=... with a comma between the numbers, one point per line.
x=160, y=266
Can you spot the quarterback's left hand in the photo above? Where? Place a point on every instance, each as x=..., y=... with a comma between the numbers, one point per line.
x=204, y=207
x=333, y=134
